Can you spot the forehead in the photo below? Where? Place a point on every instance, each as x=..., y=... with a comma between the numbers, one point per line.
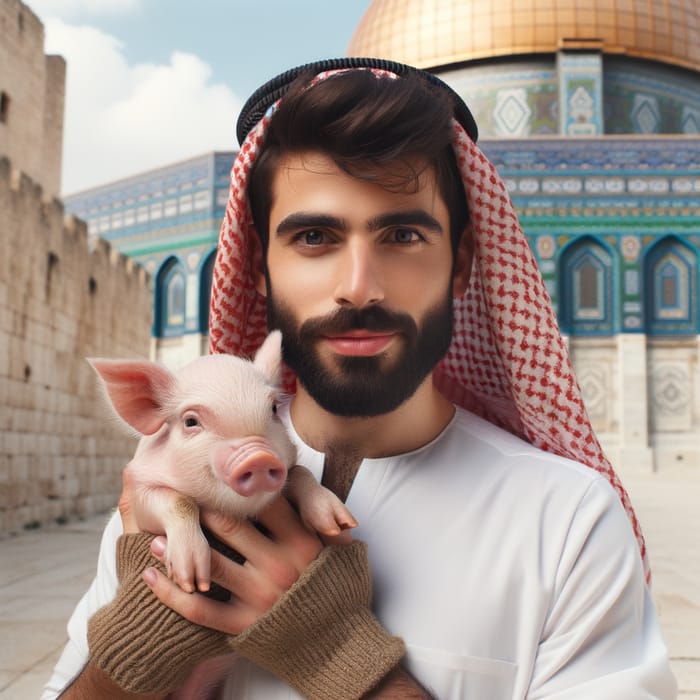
x=313, y=177
x=213, y=378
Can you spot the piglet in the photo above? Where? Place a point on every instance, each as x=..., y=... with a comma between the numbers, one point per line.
x=211, y=439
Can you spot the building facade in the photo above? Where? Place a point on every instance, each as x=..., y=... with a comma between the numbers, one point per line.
x=591, y=112
x=168, y=220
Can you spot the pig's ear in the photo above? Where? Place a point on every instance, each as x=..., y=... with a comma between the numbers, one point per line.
x=137, y=390
x=268, y=359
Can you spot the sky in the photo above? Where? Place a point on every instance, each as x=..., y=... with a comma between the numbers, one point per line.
x=151, y=82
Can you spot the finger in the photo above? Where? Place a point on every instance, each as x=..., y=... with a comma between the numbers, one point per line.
x=240, y=535
x=159, y=547
x=231, y=618
x=300, y=543
x=252, y=586
x=258, y=590
x=281, y=520
x=283, y=527
x=271, y=566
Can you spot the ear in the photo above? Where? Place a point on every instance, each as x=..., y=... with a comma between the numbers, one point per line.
x=257, y=260
x=463, y=263
x=136, y=390
x=268, y=359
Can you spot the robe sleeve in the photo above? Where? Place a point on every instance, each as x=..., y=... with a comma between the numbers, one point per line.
x=601, y=637
x=102, y=590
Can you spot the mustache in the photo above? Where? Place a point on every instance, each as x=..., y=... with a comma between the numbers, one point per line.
x=372, y=318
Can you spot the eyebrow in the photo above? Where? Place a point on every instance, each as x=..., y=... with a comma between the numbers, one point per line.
x=300, y=220
x=413, y=217
x=309, y=220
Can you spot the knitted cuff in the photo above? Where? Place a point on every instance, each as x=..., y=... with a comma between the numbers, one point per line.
x=141, y=644
x=321, y=636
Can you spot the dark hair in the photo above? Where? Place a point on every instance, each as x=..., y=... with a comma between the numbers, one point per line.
x=373, y=129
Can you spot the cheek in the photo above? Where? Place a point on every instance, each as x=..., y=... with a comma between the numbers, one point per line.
x=279, y=437
x=302, y=286
x=417, y=284
x=193, y=453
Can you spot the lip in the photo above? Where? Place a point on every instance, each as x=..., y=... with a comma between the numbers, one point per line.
x=360, y=343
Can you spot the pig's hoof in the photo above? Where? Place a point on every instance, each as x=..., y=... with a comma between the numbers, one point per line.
x=183, y=580
x=186, y=586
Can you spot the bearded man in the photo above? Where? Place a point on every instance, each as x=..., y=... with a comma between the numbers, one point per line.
x=431, y=390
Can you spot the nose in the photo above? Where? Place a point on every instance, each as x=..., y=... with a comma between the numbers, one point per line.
x=258, y=473
x=359, y=276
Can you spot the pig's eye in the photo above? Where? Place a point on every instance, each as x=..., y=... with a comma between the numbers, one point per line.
x=274, y=408
x=191, y=422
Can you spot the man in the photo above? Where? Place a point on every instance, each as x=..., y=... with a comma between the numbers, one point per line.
x=366, y=225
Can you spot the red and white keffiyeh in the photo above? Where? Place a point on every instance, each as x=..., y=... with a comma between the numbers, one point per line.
x=507, y=362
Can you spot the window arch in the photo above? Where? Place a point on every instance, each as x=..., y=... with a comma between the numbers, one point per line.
x=586, y=288
x=670, y=283
x=205, y=278
x=171, y=286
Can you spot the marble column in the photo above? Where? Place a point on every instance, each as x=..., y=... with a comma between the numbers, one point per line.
x=635, y=452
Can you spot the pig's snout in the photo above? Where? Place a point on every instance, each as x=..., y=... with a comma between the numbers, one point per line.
x=257, y=473
x=250, y=468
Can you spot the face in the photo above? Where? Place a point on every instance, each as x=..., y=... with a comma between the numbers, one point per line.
x=359, y=281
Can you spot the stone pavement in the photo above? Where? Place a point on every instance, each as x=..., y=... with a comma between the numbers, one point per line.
x=44, y=572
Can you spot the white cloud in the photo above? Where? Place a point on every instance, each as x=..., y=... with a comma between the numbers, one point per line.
x=121, y=119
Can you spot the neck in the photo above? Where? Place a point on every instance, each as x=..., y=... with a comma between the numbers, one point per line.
x=415, y=423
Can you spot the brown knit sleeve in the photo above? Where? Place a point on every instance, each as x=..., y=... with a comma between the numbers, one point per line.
x=141, y=644
x=321, y=636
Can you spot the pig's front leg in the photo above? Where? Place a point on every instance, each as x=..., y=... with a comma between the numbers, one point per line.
x=161, y=510
x=320, y=509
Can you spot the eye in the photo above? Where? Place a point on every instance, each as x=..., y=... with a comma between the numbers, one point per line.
x=311, y=238
x=406, y=236
x=190, y=421
x=274, y=409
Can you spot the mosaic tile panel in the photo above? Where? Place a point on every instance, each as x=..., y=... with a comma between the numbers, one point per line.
x=580, y=94
x=645, y=98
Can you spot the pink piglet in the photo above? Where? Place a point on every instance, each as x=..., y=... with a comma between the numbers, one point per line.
x=210, y=438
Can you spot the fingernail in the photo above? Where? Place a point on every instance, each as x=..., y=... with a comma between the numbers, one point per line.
x=150, y=577
x=158, y=546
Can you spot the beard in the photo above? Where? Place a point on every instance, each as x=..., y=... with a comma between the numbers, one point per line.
x=363, y=386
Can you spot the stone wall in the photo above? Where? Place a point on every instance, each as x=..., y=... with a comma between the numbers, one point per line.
x=33, y=90
x=61, y=452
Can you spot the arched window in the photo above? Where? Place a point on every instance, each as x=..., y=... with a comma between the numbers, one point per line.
x=670, y=282
x=670, y=285
x=585, y=288
x=205, y=277
x=169, y=316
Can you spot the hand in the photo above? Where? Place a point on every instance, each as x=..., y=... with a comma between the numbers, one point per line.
x=273, y=563
x=339, y=650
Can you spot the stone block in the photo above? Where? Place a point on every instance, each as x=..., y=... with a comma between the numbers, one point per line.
x=11, y=495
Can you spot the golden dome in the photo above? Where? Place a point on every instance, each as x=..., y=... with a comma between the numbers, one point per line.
x=435, y=33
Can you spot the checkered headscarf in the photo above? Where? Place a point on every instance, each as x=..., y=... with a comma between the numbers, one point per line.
x=507, y=361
